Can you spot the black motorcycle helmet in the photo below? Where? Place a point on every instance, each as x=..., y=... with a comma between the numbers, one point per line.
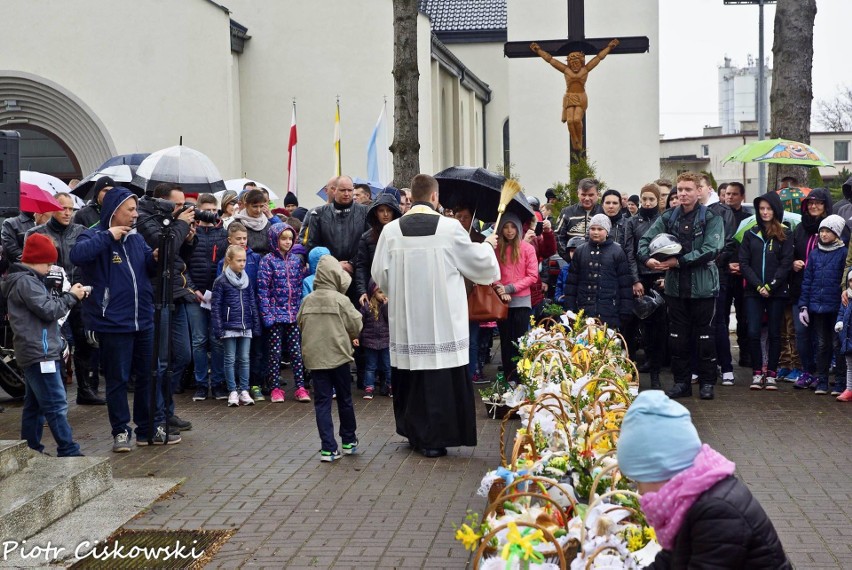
x=644, y=306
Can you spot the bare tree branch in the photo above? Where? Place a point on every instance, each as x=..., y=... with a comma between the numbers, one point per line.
x=835, y=114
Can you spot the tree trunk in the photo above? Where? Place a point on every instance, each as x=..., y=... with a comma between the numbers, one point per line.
x=406, y=142
x=792, y=91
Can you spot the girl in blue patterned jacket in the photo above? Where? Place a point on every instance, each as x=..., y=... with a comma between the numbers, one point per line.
x=279, y=291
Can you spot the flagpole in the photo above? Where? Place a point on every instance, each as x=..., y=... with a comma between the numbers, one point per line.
x=386, y=145
x=337, y=149
x=292, y=155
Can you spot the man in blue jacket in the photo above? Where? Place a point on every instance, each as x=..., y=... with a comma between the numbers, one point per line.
x=120, y=311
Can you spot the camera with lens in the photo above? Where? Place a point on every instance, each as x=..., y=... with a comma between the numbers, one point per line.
x=163, y=207
x=206, y=216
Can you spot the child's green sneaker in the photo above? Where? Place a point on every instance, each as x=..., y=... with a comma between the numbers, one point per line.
x=329, y=456
x=350, y=448
x=256, y=394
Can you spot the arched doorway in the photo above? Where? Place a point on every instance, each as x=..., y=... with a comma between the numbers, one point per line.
x=42, y=151
x=58, y=129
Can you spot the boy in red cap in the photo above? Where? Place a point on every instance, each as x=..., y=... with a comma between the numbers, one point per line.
x=33, y=315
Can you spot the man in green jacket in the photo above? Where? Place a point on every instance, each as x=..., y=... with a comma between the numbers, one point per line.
x=691, y=284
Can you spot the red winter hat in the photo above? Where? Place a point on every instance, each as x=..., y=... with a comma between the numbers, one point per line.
x=39, y=249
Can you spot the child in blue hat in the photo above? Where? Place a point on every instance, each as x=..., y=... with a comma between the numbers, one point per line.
x=703, y=516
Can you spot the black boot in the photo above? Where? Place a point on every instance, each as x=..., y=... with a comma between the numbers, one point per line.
x=85, y=395
x=655, y=381
x=706, y=392
x=680, y=390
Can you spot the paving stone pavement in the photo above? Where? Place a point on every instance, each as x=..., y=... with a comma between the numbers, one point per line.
x=256, y=469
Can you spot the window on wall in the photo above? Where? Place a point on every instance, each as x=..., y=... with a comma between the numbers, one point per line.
x=841, y=151
x=705, y=150
x=506, y=156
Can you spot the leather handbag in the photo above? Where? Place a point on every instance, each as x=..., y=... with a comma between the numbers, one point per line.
x=484, y=304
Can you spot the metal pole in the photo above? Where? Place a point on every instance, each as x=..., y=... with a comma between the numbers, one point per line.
x=761, y=107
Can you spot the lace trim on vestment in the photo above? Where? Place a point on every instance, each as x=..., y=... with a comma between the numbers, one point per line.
x=425, y=349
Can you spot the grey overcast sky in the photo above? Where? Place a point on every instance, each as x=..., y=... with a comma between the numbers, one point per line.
x=696, y=35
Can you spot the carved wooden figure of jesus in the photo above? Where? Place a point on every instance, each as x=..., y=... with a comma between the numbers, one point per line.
x=575, y=101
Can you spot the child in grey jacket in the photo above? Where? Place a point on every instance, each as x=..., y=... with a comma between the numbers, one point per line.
x=330, y=327
x=33, y=315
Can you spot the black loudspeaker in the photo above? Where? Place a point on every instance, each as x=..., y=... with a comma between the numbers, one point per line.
x=10, y=173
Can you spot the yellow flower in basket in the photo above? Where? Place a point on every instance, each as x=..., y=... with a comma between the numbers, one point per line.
x=522, y=544
x=468, y=537
x=580, y=356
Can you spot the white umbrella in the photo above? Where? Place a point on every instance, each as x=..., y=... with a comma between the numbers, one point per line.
x=193, y=170
x=237, y=184
x=50, y=184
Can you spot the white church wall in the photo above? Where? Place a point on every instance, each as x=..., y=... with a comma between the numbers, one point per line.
x=306, y=52
x=623, y=114
x=314, y=52
x=151, y=73
x=487, y=62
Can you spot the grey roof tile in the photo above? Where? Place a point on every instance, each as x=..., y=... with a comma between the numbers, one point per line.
x=465, y=15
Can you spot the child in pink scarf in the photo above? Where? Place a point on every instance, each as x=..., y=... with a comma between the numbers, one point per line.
x=704, y=517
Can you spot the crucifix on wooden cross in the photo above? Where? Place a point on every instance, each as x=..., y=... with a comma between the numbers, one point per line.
x=576, y=46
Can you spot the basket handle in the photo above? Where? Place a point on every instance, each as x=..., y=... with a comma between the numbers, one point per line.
x=483, y=542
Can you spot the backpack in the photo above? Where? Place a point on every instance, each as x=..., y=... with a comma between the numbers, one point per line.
x=671, y=223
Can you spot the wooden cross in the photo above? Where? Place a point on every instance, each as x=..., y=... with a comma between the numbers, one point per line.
x=577, y=41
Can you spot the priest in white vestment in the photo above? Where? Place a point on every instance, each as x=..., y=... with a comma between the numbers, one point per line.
x=420, y=263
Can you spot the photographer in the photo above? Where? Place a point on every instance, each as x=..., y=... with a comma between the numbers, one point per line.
x=168, y=203
x=64, y=234
x=210, y=243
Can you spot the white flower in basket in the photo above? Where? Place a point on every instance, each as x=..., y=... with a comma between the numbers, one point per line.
x=580, y=384
x=605, y=553
x=497, y=563
x=515, y=397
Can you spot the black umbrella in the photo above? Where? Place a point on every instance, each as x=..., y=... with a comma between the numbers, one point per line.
x=479, y=189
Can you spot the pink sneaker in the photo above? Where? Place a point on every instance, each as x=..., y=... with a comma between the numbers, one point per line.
x=302, y=395
x=277, y=395
x=845, y=396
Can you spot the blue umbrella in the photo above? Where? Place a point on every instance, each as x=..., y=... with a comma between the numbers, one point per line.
x=375, y=189
x=128, y=159
x=108, y=168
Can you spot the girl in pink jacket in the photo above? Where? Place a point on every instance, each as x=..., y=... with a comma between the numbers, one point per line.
x=518, y=272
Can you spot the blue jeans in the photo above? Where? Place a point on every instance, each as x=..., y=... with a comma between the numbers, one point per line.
x=805, y=343
x=376, y=360
x=126, y=356
x=202, y=340
x=236, y=351
x=473, y=351
x=44, y=399
x=181, y=349
x=327, y=382
x=755, y=308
